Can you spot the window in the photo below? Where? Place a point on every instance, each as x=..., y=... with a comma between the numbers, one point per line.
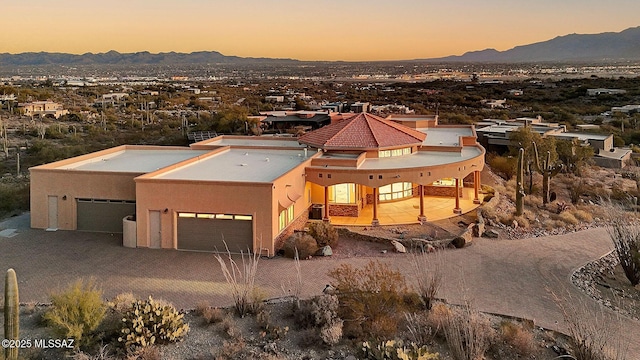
x=395, y=191
x=285, y=217
x=342, y=194
x=394, y=152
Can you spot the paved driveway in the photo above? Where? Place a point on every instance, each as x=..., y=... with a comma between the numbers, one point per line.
x=500, y=276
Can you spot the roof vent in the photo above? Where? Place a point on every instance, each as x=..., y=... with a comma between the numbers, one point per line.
x=244, y=165
x=266, y=159
x=246, y=154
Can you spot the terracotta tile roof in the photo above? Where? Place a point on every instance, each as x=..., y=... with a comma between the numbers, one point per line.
x=362, y=131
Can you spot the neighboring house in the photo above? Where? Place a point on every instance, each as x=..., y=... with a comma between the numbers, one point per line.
x=274, y=98
x=43, y=108
x=596, y=92
x=254, y=192
x=284, y=120
x=359, y=107
x=495, y=104
x=516, y=92
x=627, y=109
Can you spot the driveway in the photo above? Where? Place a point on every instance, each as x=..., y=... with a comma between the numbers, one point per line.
x=500, y=276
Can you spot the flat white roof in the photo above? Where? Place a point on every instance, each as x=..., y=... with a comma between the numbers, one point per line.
x=583, y=136
x=241, y=165
x=135, y=161
x=254, y=142
x=444, y=136
x=420, y=159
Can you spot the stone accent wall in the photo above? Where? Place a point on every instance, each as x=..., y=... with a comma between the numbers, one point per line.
x=344, y=210
x=449, y=191
x=297, y=224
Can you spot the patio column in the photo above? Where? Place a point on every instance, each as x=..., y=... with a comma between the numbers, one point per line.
x=325, y=218
x=476, y=187
x=457, y=209
x=421, y=218
x=375, y=221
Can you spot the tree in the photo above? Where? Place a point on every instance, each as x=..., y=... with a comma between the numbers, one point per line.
x=573, y=155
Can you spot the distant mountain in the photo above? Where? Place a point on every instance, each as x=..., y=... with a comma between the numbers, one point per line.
x=624, y=45
x=116, y=58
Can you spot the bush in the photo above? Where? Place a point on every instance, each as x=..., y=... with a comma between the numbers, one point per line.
x=370, y=298
x=568, y=218
x=518, y=338
x=305, y=244
x=626, y=240
x=321, y=312
x=76, y=312
x=122, y=302
x=269, y=329
x=397, y=350
x=582, y=215
x=209, y=314
x=503, y=166
x=324, y=233
x=469, y=334
x=148, y=323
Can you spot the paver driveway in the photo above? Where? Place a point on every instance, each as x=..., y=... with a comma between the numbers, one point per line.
x=500, y=276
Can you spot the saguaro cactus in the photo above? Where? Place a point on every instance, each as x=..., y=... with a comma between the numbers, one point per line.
x=11, y=313
x=519, y=185
x=547, y=171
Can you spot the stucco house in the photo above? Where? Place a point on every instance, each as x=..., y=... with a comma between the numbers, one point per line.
x=253, y=192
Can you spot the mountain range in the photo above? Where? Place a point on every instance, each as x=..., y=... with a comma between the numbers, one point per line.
x=609, y=46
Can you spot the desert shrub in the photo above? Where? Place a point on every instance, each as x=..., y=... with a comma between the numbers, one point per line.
x=304, y=243
x=268, y=329
x=533, y=201
x=419, y=328
x=568, y=218
x=148, y=323
x=76, y=312
x=522, y=222
x=626, y=241
x=503, y=166
x=230, y=328
x=469, y=334
x=122, y=302
x=145, y=353
x=103, y=353
x=519, y=338
x=397, y=350
x=231, y=350
x=427, y=270
x=324, y=233
x=209, y=314
x=241, y=279
x=370, y=298
x=582, y=215
x=437, y=318
x=321, y=312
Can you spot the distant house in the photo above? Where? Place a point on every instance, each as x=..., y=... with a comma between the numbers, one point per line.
x=43, y=108
x=596, y=92
x=284, y=120
x=359, y=107
x=627, y=109
x=515, y=92
x=274, y=98
x=495, y=104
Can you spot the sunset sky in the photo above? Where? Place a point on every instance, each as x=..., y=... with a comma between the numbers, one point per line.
x=307, y=30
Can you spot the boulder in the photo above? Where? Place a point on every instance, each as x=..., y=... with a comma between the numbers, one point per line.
x=324, y=251
x=398, y=247
x=491, y=234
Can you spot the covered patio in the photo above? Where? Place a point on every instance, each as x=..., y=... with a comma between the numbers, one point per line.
x=407, y=211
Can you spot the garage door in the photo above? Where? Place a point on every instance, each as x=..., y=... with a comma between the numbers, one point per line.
x=103, y=215
x=209, y=232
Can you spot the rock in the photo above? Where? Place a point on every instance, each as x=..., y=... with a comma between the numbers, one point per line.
x=398, y=247
x=492, y=234
x=515, y=224
x=383, y=252
x=478, y=229
x=324, y=251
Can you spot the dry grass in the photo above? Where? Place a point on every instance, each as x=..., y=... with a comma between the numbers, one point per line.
x=209, y=314
x=518, y=337
x=568, y=218
x=593, y=334
x=469, y=334
x=582, y=215
x=122, y=302
x=241, y=279
x=427, y=270
x=419, y=327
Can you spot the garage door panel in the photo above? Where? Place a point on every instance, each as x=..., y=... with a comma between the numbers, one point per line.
x=210, y=234
x=103, y=215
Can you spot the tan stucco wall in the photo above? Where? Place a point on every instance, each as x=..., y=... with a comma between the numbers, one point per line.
x=204, y=197
x=73, y=185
